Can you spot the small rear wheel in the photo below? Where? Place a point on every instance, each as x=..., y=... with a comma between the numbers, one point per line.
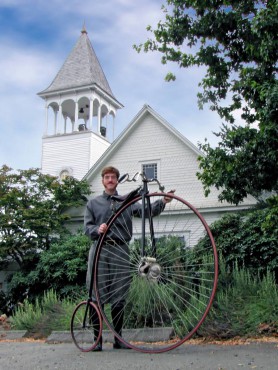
x=86, y=326
x=160, y=291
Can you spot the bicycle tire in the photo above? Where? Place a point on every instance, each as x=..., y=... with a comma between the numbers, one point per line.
x=82, y=327
x=165, y=298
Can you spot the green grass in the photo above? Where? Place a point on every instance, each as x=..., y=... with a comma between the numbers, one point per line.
x=244, y=305
x=45, y=315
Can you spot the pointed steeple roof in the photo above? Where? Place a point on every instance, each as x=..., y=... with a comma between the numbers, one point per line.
x=81, y=68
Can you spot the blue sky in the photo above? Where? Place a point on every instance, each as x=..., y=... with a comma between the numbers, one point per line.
x=36, y=36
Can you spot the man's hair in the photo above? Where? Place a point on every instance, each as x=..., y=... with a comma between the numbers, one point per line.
x=110, y=169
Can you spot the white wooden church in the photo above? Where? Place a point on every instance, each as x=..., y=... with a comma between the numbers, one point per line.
x=78, y=139
x=80, y=112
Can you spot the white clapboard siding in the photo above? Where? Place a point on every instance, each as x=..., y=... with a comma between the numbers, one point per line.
x=76, y=152
x=149, y=138
x=185, y=225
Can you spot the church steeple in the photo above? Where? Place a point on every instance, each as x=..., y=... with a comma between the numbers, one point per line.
x=78, y=101
x=81, y=68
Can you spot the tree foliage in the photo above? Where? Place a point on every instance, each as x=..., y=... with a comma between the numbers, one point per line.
x=62, y=267
x=248, y=240
x=236, y=41
x=33, y=210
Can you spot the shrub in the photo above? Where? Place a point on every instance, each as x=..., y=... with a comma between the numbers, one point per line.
x=243, y=306
x=63, y=267
x=44, y=315
x=248, y=240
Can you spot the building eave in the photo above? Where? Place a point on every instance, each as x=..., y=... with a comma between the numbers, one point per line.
x=80, y=89
x=145, y=110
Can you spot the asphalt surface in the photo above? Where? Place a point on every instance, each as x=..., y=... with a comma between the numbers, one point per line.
x=40, y=355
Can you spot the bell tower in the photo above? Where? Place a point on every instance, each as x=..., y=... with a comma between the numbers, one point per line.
x=80, y=111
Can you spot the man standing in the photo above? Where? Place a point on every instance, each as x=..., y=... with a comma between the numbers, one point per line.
x=97, y=213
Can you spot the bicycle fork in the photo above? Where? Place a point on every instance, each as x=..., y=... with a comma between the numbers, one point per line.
x=148, y=266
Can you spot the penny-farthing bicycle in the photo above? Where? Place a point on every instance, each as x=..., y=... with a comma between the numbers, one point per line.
x=167, y=268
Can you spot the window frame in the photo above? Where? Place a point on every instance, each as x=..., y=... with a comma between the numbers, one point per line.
x=155, y=163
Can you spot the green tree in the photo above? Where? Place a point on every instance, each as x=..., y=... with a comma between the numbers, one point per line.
x=247, y=240
x=236, y=41
x=33, y=211
x=62, y=267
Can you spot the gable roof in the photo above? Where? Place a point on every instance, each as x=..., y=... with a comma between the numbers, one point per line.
x=129, y=129
x=81, y=68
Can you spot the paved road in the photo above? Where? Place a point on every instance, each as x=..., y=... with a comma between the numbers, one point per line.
x=36, y=355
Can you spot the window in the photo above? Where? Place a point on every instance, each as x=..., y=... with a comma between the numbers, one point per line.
x=64, y=174
x=180, y=240
x=150, y=170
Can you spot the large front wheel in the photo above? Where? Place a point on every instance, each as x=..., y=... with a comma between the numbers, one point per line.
x=159, y=277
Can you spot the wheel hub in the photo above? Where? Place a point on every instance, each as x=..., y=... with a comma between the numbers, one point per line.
x=149, y=268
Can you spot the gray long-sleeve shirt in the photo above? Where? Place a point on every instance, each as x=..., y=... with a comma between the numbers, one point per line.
x=99, y=210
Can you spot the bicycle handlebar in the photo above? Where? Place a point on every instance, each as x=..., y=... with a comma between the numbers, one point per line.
x=135, y=177
x=125, y=178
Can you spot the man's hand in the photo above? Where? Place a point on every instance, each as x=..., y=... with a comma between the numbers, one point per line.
x=168, y=199
x=102, y=228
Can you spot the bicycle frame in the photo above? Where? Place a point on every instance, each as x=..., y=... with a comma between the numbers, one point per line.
x=146, y=205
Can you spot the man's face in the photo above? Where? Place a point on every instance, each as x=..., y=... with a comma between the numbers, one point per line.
x=110, y=182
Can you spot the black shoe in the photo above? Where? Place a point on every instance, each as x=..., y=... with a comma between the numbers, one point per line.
x=98, y=347
x=119, y=345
